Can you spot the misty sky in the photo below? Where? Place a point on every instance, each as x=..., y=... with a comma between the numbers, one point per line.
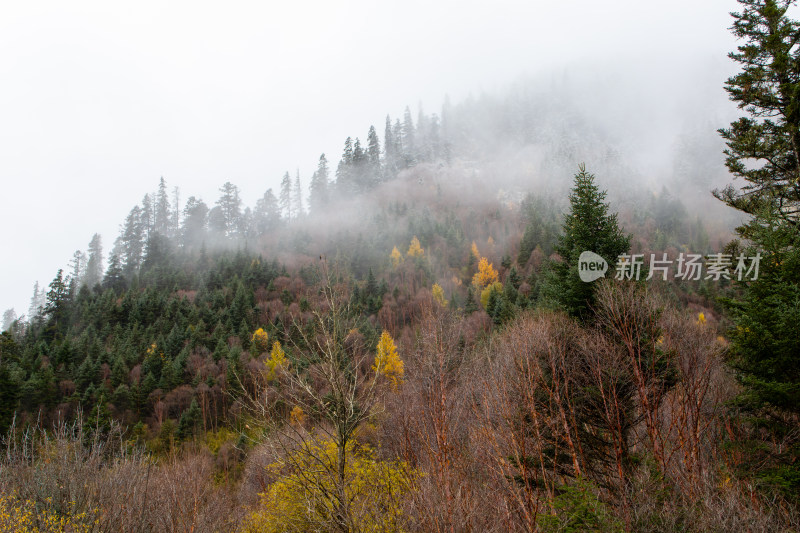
x=98, y=100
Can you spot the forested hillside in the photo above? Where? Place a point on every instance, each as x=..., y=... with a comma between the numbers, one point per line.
x=401, y=341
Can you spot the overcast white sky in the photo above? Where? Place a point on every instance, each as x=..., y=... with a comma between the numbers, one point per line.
x=100, y=99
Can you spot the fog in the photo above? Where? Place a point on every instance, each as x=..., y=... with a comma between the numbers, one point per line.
x=98, y=101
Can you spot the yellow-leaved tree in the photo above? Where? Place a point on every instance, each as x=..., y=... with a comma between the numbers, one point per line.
x=415, y=249
x=438, y=294
x=305, y=496
x=487, y=292
x=475, y=251
x=276, y=361
x=387, y=362
x=260, y=341
x=486, y=274
x=26, y=516
x=397, y=257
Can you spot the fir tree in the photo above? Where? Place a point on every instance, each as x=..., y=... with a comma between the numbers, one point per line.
x=409, y=144
x=189, y=421
x=161, y=216
x=588, y=226
x=267, y=216
x=373, y=157
x=297, y=197
x=131, y=241
x=94, y=263
x=389, y=150
x=762, y=150
x=285, y=197
x=231, y=206
x=195, y=222
x=318, y=190
x=345, y=172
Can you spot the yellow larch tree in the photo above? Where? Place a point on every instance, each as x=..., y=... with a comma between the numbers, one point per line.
x=397, y=257
x=260, y=340
x=415, y=250
x=297, y=416
x=387, y=362
x=475, y=251
x=486, y=274
x=276, y=361
x=438, y=294
x=305, y=495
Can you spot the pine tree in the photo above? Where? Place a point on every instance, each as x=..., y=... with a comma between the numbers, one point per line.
x=189, y=421
x=9, y=317
x=409, y=144
x=267, y=215
x=345, y=173
x=94, y=263
x=389, y=150
x=231, y=207
x=588, y=226
x=285, y=197
x=297, y=197
x=37, y=302
x=175, y=229
x=763, y=149
x=373, y=157
x=768, y=88
x=147, y=214
x=195, y=222
x=131, y=241
x=78, y=267
x=57, y=300
x=318, y=190
x=161, y=216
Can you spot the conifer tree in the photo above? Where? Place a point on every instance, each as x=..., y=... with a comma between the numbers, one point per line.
x=763, y=149
x=345, y=172
x=147, y=215
x=267, y=215
x=195, y=222
x=588, y=226
x=114, y=278
x=318, y=190
x=57, y=300
x=285, y=197
x=389, y=150
x=231, y=207
x=373, y=157
x=161, y=216
x=409, y=144
x=94, y=263
x=37, y=302
x=768, y=88
x=131, y=241
x=297, y=197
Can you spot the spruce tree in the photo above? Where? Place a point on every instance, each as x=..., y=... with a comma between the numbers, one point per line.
x=373, y=157
x=409, y=144
x=588, y=226
x=161, y=215
x=267, y=215
x=318, y=190
x=231, y=206
x=285, y=197
x=762, y=150
x=94, y=263
x=297, y=197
